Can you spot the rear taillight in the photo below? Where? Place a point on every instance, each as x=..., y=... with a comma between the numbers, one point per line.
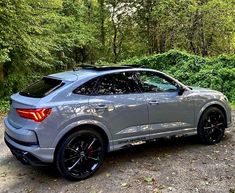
x=37, y=115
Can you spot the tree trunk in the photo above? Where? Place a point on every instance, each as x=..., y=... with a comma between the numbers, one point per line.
x=192, y=31
x=115, y=44
x=88, y=4
x=148, y=26
x=1, y=72
x=102, y=19
x=115, y=35
x=203, y=39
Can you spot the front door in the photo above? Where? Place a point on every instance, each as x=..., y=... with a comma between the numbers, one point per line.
x=168, y=111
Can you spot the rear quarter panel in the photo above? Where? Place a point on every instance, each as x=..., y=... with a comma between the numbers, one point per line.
x=66, y=112
x=69, y=113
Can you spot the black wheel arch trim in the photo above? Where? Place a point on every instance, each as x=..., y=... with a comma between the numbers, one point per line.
x=82, y=126
x=219, y=106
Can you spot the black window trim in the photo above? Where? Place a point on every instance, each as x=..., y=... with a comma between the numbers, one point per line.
x=137, y=79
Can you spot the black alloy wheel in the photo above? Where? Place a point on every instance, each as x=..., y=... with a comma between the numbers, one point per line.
x=80, y=155
x=212, y=126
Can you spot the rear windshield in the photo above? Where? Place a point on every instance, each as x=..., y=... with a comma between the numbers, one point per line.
x=42, y=87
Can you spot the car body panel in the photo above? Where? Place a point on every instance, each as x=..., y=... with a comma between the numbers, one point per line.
x=79, y=123
x=120, y=112
x=170, y=112
x=46, y=155
x=23, y=135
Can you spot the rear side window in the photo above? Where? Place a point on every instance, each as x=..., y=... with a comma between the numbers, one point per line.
x=120, y=83
x=42, y=88
x=87, y=88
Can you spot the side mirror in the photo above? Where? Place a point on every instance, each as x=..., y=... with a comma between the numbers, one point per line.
x=181, y=90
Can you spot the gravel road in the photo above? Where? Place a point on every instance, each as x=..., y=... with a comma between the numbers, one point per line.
x=179, y=165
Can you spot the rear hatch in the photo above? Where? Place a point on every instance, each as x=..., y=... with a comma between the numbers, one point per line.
x=30, y=98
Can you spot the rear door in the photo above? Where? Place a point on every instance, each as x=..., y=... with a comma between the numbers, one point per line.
x=118, y=103
x=168, y=111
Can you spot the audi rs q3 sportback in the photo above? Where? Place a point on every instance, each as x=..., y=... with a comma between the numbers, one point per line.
x=71, y=119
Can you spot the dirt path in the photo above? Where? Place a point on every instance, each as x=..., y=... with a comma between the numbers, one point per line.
x=168, y=165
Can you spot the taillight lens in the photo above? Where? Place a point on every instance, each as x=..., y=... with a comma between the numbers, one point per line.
x=38, y=115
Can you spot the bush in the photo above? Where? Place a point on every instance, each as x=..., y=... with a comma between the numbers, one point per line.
x=215, y=73
x=4, y=106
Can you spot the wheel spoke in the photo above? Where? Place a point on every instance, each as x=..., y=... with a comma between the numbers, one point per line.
x=95, y=150
x=94, y=139
x=209, y=132
x=70, y=168
x=92, y=158
x=71, y=158
x=206, y=127
x=71, y=149
x=219, y=124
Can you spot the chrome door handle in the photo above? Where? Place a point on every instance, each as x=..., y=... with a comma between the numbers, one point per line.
x=153, y=102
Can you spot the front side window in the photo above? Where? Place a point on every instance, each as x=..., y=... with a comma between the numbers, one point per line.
x=120, y=83
x=153, y=82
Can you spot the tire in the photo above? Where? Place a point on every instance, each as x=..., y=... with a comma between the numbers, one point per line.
x=80, y=155
x=211, y=126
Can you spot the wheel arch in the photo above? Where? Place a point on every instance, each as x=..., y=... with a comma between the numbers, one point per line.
x=210, y=105
x=73, y=129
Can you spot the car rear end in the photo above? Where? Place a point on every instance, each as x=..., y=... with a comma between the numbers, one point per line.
x=30, y=112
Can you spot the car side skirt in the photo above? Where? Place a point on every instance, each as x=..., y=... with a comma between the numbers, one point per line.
x=125, y=142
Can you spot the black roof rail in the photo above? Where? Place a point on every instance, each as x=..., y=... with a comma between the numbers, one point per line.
x=83, y=66
x=100, y=68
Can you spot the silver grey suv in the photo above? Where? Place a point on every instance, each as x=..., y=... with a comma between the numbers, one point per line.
x=73, y=118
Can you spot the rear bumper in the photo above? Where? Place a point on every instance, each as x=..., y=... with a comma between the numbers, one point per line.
x=22, y=136
x=30, y=154
x=25, y=157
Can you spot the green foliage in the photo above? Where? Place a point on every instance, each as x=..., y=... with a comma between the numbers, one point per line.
x=216, y=73
x=16, y=82
x=22, y=27
x=4, y=106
